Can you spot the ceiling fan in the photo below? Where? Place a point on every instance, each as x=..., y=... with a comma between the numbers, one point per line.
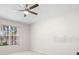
x=28, y=9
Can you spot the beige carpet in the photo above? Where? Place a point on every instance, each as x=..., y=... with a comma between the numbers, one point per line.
x=27, y=53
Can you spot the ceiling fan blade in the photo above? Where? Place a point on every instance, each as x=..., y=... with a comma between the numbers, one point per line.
x=33, y=12
x=26, y=5
x=24, y=15
x=34, y=6
x=21, y=10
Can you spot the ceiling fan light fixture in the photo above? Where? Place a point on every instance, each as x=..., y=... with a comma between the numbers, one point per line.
x=26, y=12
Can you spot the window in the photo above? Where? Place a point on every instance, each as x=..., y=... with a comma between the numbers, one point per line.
x=8, y=35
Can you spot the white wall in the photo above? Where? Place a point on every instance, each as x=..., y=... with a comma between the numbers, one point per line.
x=23, y=31
x=56, y=34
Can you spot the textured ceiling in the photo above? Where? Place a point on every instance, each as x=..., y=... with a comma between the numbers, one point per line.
x=9, y=11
